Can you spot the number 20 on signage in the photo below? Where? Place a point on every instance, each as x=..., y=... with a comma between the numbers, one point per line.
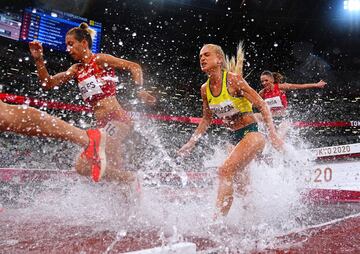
x=320, y=175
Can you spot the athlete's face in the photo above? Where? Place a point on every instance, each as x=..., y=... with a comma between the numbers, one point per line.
x=76, y=49
x=266, y=81
x=209, y=59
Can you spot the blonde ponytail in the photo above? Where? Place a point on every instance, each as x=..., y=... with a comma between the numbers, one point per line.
x=236, y=65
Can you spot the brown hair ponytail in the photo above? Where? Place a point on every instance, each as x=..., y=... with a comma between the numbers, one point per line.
x=278, y=78
x=83, y=32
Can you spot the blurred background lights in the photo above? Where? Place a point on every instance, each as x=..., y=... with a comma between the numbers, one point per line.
x=352, y=5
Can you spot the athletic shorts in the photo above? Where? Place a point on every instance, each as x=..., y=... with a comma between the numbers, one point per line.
x=239, y=134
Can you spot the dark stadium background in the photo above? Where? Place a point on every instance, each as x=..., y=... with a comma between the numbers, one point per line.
x=304, y=40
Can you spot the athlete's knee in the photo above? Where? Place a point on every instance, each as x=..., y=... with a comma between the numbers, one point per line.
x=227, y=171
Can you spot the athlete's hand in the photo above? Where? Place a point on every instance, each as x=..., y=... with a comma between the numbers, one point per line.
x=146, y=97
x=36, y=50
x=320, y=84
x=186, y=149
x=276, y=141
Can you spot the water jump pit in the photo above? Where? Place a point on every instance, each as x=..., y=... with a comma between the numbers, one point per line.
x=47, y=219
x=338, y=236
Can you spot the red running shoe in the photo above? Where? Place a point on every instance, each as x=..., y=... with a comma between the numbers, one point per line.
x=95, y=153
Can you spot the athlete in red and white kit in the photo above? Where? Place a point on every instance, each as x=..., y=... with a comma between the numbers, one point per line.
x=274, y=95
x=96, y=79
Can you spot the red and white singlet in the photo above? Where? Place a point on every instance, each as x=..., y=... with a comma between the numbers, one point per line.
x=96, y=83
x=275, y=99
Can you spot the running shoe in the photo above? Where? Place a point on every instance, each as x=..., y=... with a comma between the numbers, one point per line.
x=95, y=153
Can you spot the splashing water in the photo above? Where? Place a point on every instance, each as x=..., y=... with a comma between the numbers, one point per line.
x=119, y=235
x=268, y=210
x=162, y=157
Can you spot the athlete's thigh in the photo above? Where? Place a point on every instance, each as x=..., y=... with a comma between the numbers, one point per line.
x=117, y=133
x=10, y=114
x=246, y=150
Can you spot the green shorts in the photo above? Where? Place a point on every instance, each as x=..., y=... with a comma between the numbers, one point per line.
x=239, y=134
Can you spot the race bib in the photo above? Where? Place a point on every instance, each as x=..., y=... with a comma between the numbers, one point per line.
x=224, y=109
x=274, y=102
x=90, y=87
x=111, y=129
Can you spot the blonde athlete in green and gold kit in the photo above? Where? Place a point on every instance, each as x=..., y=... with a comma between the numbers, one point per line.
x=227, y=95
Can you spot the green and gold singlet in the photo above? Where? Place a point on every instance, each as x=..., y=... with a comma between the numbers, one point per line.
x=225, y=105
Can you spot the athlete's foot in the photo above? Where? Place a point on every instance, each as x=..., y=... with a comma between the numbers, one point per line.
x=95, y=153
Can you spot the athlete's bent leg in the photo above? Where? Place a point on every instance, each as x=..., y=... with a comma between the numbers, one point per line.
x=115, y=150
x=115, y=132
x=243, y=153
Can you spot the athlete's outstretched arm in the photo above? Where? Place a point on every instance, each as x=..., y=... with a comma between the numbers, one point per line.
x=106, y=60
x=118, y=63
x=202, y=127
x=289, y=86
x=48, y=81
x=32, y=122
